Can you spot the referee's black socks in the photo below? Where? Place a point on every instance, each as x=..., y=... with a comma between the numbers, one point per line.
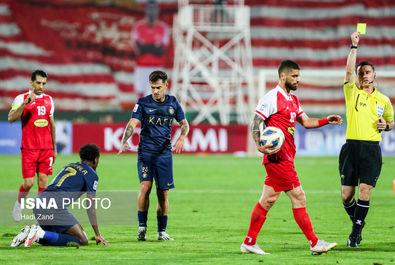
x=350, y=208
x=361, y=210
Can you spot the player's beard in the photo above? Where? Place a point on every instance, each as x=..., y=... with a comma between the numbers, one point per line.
x=289, y=86
x=38, y=92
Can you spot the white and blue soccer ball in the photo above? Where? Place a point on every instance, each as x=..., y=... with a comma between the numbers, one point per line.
x=272, y=135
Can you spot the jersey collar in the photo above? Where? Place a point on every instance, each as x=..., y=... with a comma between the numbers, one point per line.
x=37, y=96
x=287, y=97
x=373, y=94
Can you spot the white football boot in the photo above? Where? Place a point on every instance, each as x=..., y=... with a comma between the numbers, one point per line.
x=142, y=233
x=35, y=233
x=164, y=236
x=21, y=237
x=322, y=247
x=254, y=249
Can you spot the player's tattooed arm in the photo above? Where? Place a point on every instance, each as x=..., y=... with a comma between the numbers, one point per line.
x=254, y=128
x=179, y=145
x=127, y=133
x=256, y=135
x=184, y=127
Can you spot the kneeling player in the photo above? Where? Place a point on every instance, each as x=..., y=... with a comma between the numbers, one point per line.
x=69, y=184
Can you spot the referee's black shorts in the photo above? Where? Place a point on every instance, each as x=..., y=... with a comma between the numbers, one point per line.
x=360, y=161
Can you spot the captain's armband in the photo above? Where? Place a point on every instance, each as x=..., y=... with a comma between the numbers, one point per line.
x=15, y=106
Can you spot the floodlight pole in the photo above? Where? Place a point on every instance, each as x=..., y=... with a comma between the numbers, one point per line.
x=213, y=62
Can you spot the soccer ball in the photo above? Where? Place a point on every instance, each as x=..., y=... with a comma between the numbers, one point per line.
x=272, y=135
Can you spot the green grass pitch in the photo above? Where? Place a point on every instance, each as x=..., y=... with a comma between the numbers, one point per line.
x=210, y=213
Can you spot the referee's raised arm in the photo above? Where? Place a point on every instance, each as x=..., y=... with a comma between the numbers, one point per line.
x=352, y=58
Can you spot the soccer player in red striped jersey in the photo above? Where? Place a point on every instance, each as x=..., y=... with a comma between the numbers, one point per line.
x=281, y=109
x=38, y=148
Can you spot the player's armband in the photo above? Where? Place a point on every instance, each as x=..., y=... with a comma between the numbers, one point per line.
x=15, y=106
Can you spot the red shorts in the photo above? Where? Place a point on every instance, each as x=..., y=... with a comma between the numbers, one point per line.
x=281, y=176
x=36, y=161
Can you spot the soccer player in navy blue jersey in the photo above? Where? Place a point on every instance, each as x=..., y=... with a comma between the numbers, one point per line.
x=156, y=113
x=62, y=229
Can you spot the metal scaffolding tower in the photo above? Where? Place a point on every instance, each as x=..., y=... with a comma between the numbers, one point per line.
x=213, y=74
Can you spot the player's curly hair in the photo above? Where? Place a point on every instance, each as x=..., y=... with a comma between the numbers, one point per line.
x=156, y=75
x=89, y=152
x=287, y=65
x=38, y=72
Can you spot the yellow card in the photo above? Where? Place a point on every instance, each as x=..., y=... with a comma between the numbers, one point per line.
x=361, y=28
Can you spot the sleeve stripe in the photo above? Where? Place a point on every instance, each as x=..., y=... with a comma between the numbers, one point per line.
x=300, y=113
x=260, y=114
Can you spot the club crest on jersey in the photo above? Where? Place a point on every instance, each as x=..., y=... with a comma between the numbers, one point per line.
x=291, y=130
x=380, y=111
x=41, y=123
x=171, y=110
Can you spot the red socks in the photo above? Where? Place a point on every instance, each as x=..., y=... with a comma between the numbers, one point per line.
x=303, y=220
x=22, y=193
x=40, y=189
x=258, y=217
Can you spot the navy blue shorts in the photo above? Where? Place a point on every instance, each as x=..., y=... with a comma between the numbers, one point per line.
x=54, y=220
x=156, y=166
